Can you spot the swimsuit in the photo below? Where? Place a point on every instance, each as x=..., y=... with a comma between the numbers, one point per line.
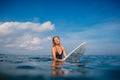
x=59, y=56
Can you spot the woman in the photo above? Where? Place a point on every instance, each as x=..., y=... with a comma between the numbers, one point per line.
x=58, y=51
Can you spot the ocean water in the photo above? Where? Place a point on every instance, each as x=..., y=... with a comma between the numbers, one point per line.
x=41, y=67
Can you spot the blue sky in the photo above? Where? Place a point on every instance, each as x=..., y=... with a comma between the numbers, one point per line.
x=27, y=26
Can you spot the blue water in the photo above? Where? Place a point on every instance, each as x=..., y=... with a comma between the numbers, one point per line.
x=41, y=67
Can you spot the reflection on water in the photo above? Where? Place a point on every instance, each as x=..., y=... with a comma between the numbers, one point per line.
x=34, y=67
x=57, y=69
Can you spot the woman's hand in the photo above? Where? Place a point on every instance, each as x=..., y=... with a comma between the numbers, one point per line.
x=60, y=60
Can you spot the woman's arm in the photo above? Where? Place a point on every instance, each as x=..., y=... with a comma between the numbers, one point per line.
x=64, y=51
x=53, y=54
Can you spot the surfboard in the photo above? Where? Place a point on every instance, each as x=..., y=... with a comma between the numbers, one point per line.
x=75, y=54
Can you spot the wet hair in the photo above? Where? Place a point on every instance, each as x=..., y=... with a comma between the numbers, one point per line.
x=54, y=41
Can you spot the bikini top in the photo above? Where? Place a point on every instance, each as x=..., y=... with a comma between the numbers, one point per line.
x=59, y=55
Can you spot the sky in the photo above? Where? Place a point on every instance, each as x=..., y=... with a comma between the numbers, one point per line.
x=27, y=26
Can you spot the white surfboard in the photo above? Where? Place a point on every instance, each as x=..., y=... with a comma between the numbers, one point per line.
x=74, y=55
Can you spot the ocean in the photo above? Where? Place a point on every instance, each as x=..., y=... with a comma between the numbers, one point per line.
x=41, y=67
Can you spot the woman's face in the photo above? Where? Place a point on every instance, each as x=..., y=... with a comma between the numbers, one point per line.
x=56, y=40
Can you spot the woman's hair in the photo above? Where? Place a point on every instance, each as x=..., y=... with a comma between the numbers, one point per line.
x=53, y=40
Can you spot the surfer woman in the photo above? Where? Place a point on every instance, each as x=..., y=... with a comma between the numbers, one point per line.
x=58, y=51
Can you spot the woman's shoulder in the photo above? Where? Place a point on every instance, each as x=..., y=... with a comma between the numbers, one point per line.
x=53, y=47
x=62, y=47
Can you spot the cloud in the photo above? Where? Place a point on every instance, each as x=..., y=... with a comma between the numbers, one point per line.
x=28, y=42
x=11, y=27
x=25, y=35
